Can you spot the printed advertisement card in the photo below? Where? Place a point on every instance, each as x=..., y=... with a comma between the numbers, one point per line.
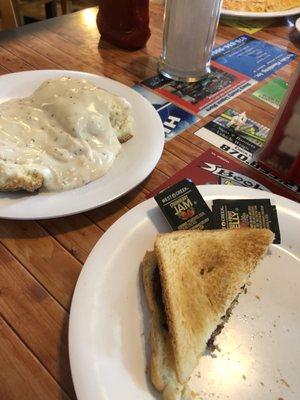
x=175, y=120
x=206, y=95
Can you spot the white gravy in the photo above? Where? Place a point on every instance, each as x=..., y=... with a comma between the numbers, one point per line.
x=62, y=131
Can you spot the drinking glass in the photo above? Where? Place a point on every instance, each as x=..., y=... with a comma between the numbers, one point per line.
x=189, y=33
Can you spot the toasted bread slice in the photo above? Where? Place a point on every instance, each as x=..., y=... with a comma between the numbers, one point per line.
x=201, y=274
x=162, y=367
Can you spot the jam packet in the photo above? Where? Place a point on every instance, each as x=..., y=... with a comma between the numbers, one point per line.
x=246, y=213
x=184, y=207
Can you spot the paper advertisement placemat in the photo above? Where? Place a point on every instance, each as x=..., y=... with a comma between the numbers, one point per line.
x=213, y=167
x=206, y=95
x=254, y=58
x=236, y=133
x=272, y=92
x=248, y=25
x=175, y=119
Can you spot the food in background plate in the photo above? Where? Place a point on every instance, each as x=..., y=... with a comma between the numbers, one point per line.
x=63, y=136
x=192, y=280
x=260, y=5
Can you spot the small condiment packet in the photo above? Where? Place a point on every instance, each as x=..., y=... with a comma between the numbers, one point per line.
x=184, y=207
x=246, y=213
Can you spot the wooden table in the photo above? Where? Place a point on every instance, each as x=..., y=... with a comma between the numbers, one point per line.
x=41, y=260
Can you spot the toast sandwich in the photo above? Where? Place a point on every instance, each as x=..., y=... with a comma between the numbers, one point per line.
x=192, y=280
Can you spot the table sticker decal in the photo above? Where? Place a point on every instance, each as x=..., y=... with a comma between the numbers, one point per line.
x=272, y=92
x=236, y=131
x=254, y=58
x=215, y=168
x=205, y=96
x=248, y=25
x=175, y=119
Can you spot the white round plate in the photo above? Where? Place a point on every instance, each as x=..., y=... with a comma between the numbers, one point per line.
x=138, y=158
x=109, y=324
x=274, y=14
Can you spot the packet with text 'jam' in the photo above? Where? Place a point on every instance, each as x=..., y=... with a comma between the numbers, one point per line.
x=184, y=207
x=246, y=213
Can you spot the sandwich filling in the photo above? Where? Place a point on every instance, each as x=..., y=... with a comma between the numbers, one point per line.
x=211, y=347
x=159, y=299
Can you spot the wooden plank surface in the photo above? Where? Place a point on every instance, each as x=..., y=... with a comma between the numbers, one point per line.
x=41, y=260
x=19, y=365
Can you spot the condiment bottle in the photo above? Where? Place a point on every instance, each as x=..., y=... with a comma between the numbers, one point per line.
x=124, y=23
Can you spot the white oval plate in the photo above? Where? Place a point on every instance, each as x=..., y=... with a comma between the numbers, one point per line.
x=247, y=14
x=109, y=322
x=138, y=158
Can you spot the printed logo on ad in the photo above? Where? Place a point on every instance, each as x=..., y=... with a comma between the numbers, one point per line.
x=231, y=177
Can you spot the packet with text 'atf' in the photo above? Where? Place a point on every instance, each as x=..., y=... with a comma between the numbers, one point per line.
x=248, y=213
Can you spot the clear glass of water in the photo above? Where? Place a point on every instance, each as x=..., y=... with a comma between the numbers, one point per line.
x=189, y=33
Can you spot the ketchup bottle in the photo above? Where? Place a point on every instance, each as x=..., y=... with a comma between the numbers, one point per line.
x=124, y=23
